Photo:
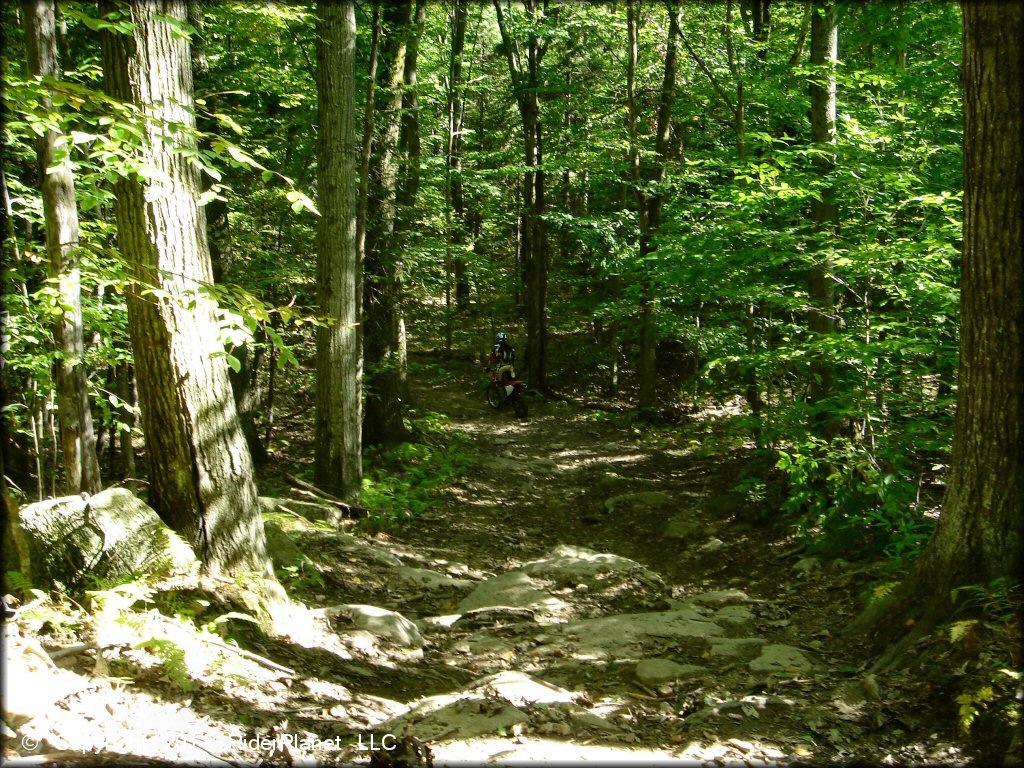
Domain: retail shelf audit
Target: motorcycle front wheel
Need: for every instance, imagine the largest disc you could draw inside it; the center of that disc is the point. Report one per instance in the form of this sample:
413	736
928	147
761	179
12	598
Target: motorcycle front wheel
519	406
494	396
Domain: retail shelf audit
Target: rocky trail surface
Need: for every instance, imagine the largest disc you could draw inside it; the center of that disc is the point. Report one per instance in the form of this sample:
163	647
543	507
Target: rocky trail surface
585	594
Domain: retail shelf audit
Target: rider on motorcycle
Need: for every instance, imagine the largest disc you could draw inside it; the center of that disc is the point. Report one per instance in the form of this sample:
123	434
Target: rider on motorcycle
502	359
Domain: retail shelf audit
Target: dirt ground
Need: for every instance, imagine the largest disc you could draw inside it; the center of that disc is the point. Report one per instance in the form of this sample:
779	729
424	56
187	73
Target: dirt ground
601	530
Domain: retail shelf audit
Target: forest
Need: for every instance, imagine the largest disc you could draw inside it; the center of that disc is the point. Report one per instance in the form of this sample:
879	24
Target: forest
748	490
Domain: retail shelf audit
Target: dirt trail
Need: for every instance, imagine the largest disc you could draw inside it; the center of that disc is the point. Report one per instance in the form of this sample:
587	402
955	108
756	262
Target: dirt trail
588	593
563	478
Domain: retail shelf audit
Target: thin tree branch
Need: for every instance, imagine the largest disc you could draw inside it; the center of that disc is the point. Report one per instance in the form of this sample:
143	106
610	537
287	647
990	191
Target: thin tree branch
707	71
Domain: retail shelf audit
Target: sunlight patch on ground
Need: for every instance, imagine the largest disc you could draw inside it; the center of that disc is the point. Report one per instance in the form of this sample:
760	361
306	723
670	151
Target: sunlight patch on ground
499	751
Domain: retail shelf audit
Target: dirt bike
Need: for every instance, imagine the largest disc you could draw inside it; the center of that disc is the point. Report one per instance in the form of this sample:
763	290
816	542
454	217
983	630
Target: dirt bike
504	388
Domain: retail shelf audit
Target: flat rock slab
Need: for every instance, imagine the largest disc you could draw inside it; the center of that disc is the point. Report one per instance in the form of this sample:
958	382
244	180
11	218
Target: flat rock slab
503	464
512	589
379	622
431	581
655	672
567	563
455	716
543	466
625	635
733	615
346	542
482	708
112	536
780	658
522	690
720	597
682	526
745	648
642	502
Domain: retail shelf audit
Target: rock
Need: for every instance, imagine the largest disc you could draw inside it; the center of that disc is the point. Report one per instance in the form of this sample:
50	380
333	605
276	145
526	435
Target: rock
644	502
720	597
712	545
485	647
733	615
491	615
727	504
566	564
484	708
353	545
513	589
431	581
623	634
503	465
280	547
807	564
780	658
457	716
112	536
682	526
736	647
31	681
380	622
544	465
521	690
655	672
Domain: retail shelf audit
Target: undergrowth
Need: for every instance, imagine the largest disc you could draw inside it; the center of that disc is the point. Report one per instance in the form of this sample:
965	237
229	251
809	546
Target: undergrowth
402	482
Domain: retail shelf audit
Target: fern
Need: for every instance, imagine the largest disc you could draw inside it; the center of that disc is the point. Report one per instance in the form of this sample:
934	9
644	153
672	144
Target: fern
961	629
172	657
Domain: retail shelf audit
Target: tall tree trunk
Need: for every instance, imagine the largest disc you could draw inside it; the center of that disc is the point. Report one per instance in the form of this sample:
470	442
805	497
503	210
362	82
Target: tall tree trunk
408	174
77	437
338	457
456	191
525	75
125	379
217	233
201	476
980	534
824	212
382	274
647	176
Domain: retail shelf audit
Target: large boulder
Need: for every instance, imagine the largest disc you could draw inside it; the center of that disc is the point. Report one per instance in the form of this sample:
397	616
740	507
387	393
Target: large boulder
110	537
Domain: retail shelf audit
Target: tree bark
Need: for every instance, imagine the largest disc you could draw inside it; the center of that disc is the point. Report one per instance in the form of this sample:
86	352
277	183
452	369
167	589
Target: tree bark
456	112
824	212
77	436
338	457
382	274
201	476
980	533
525	75
647	176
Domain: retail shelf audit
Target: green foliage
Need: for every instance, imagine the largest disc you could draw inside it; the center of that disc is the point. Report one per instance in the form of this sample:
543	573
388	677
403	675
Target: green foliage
404	481
302	576
1001	600
844	500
